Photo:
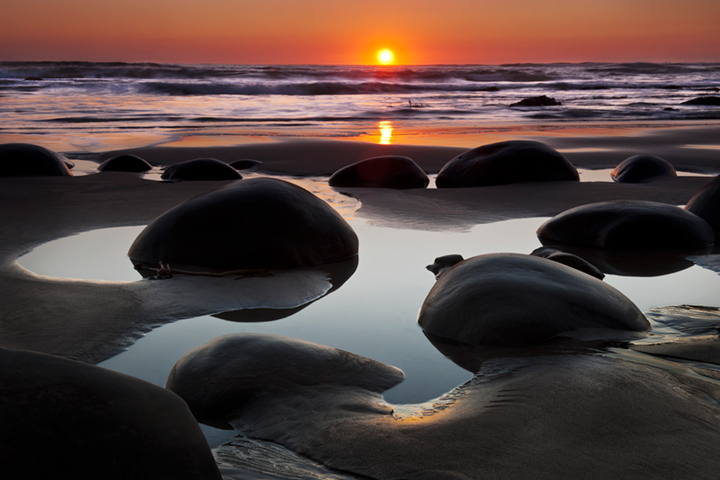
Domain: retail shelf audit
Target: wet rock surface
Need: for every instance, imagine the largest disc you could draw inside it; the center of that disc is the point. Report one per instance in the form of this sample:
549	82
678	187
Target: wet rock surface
391	171
26	160
201	169
642	168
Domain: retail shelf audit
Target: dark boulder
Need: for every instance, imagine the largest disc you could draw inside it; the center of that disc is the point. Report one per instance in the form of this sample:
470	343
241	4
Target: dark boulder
441	264
642	168
26	160
261	223
706	203
541	101
231	371
65	419
709	101
578	263
512	300
389	171
125	163
245	164
201	169
628	224
506	162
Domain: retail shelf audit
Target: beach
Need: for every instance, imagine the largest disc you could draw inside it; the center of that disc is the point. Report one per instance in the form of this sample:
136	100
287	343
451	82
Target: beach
641	407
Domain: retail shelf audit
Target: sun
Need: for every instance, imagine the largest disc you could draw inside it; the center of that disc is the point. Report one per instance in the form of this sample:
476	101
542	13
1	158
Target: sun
385	57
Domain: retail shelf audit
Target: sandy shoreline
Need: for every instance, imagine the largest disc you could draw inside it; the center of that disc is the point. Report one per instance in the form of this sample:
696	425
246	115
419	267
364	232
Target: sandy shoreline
92	321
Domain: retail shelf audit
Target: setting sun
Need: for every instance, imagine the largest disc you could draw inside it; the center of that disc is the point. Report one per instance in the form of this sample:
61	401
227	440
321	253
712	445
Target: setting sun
385	57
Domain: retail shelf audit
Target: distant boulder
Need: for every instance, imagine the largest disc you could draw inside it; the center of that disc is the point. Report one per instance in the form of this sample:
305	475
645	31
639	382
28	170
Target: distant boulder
66	419
627	224
710	101
125	163
26	160
234	370
201	169
506	162
706	203
642	168
512	300
245	164
578	263
389	171
261	223
541	101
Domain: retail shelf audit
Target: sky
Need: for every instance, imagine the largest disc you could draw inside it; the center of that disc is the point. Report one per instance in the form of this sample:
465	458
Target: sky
351	32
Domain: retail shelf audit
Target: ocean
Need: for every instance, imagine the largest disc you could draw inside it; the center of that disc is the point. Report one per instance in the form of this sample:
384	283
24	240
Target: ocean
87	106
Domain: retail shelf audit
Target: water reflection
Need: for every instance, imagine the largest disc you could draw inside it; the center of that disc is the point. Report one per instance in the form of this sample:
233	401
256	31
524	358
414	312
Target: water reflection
386	130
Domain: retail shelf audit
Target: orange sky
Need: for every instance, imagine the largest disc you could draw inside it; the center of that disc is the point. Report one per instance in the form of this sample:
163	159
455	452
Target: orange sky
340	32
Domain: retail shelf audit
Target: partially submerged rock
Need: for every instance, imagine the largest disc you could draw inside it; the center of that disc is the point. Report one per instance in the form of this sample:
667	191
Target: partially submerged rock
62	418
642	168
261	223
578	263
231	371
541	101
201	169
506	162
708	100
628	224
441	264
125	163
512	300
245	164
25	160
706	203
391	171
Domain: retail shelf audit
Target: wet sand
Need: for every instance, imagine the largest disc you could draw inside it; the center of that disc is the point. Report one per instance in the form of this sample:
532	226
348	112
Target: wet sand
586	415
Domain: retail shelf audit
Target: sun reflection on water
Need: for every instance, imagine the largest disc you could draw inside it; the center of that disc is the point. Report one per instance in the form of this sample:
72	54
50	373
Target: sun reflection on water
386	130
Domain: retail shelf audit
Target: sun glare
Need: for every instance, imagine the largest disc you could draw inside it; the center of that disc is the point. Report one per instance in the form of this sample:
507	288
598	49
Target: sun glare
385	57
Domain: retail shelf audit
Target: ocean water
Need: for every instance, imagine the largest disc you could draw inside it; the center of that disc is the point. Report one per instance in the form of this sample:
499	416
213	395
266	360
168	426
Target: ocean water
95	105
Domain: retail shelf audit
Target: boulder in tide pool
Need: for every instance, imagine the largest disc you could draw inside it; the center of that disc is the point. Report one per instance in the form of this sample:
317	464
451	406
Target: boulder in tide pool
65	419
706	203
125	163
201	169
245	164
628	224
26	160
391	171
231	371
506	162
261	223
513	300
642	168
578	263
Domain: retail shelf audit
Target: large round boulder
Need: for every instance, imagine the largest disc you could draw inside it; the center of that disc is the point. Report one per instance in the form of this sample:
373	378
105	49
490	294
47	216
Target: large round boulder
628	224
26	160
125	163
201	169
506	162
642	168
65	419
513	300
231	371
261	223
706	203
391	171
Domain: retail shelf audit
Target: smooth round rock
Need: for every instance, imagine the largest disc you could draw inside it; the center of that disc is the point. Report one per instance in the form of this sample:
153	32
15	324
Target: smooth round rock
230	371
125	163
245	164
65	419
706	203
201	169
710	101
628	224
642	168
261	223
26	160
441	264
574	261
391	171
513	300
506	162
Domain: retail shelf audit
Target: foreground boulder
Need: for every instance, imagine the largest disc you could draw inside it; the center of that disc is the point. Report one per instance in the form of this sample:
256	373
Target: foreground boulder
66	419
512	300
125	163
26	160
201	169
391	171
642	168
506	162
261	223
706	203
628	224
231	371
